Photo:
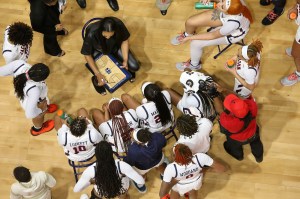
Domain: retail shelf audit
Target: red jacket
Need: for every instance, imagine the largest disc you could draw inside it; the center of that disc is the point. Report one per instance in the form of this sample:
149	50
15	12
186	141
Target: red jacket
234	124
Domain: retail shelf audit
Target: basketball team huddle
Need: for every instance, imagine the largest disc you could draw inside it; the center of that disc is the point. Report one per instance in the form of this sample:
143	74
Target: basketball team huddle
126	138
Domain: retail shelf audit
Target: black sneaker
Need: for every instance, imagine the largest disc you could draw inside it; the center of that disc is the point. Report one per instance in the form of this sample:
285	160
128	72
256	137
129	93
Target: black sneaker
265	2
259	159
271	17
142	189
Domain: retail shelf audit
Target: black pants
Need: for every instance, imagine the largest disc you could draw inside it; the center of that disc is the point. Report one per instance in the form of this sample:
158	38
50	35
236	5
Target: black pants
235	148
279	4
51	45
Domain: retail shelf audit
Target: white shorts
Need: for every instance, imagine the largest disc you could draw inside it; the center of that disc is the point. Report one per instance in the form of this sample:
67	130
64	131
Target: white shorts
297	37
143	172
185	188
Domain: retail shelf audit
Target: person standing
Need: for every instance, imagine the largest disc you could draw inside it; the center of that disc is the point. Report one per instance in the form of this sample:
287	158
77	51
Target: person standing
44	17
238	123
17	42
275	13
294	51
113	4
31	185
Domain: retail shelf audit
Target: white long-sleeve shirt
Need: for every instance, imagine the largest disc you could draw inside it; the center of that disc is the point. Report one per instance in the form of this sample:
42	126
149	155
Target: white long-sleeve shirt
123	169
37	188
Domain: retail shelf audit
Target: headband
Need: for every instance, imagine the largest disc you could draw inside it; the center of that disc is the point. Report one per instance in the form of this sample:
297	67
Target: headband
227	4
113	99
134	135
245	52
144	86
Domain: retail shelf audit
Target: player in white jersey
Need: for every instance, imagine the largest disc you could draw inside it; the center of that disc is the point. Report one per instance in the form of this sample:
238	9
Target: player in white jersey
246	69
31	90
115	124
31	185
196	88
194	132
184	174
110	177
79	138
156	112
294	51
230	21
17	42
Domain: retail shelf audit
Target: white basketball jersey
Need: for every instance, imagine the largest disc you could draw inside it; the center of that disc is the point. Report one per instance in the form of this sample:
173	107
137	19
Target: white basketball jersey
13	52
149	116
190	173
200	141
79	148
189	100
249	74
107	132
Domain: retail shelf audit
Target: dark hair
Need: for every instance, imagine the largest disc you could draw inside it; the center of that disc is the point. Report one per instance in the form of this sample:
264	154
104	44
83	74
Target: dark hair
78	126
107	179
48	1
144	135
20	33
153	93
186	125
22	174
120	127
108	24
38	72
183	154
209	111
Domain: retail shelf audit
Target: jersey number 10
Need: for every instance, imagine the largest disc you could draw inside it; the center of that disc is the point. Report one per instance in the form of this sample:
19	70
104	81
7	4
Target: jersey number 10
78	149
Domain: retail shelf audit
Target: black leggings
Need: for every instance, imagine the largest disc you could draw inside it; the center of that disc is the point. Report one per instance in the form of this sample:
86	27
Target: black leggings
279	4
51	45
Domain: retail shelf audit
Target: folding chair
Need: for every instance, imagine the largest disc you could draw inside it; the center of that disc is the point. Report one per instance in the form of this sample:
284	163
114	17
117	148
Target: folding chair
79	165
170	132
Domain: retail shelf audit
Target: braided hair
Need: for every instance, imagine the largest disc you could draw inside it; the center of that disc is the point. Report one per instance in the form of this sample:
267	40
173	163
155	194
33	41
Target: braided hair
78	126
20	33
183	154
253	49
120	128
187	125
107	178
153	93
38	72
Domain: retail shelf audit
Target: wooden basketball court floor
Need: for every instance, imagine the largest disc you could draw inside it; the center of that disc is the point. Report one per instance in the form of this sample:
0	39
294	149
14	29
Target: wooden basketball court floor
278	176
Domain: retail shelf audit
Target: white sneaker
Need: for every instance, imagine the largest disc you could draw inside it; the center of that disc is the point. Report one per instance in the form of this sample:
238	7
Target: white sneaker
183	65
290	80
84	196
288	51
177	39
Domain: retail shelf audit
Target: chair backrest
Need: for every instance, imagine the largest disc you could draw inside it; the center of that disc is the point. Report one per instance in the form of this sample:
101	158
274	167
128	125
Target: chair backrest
93	20
169	133
80	164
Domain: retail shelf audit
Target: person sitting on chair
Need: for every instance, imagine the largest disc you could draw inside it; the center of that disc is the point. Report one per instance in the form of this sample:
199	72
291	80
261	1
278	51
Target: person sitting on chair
156	112
17	42
115	124
246	69
230	22
108	36
79	138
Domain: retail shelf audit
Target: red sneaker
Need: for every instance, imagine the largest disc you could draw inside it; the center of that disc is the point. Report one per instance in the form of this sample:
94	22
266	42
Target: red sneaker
52	108
166	196
47	126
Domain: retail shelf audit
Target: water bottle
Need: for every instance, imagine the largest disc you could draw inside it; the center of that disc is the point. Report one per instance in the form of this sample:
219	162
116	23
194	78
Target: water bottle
230	63
210	5
63	115
293	15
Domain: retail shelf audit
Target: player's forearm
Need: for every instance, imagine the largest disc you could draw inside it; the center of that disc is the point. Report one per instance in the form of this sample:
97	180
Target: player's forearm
92	64
125	50
242	81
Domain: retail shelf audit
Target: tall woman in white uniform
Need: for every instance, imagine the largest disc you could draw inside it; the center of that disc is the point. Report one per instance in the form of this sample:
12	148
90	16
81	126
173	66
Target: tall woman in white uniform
110	177
230	22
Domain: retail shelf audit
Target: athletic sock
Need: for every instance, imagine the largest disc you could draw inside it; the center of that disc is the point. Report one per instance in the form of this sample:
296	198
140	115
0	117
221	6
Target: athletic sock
187	34
298	73
36	128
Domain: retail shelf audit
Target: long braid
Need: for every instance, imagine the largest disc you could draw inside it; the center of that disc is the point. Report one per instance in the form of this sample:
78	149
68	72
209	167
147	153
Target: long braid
107	178
208	105
120	127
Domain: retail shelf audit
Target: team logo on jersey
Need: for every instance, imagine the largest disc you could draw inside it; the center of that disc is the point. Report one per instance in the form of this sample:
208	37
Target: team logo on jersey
191	81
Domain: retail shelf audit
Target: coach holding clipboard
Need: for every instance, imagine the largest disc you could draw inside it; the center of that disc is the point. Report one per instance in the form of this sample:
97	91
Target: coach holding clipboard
108	36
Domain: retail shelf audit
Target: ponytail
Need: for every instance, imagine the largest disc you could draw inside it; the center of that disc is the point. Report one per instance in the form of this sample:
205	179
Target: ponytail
253	49
19	84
